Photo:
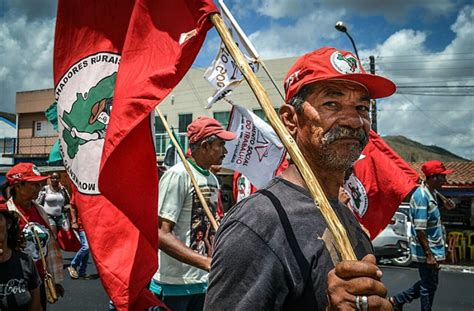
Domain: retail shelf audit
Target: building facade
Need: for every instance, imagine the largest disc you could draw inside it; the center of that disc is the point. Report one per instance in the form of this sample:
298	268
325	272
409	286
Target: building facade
35	135
7	138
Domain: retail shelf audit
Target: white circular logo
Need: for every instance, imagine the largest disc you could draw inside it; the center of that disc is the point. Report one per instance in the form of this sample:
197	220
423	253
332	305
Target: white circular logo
31	246
84	96
35	170
344	64
359	200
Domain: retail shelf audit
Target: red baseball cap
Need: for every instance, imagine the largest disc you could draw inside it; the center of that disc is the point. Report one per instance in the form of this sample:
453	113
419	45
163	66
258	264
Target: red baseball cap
204	127
330	64
24	172
434	167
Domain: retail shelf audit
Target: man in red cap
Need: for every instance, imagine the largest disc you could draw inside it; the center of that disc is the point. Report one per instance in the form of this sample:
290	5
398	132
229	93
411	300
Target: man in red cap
181	279
427	247
273	250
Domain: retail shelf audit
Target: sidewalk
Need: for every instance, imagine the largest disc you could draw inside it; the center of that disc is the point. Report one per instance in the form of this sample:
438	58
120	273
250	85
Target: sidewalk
464	266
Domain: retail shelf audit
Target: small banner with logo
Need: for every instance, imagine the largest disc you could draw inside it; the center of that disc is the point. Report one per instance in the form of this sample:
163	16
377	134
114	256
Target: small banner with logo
223	74
129	54
257	151
380	181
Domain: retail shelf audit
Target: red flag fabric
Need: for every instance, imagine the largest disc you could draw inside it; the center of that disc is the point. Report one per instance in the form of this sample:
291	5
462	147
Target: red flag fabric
380	181
142	48
67	240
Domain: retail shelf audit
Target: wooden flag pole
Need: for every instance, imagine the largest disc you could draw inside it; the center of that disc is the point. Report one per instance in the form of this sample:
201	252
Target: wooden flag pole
343	244
190	172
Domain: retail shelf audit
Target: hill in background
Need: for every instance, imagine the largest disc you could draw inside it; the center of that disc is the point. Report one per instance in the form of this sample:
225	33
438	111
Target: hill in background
412	151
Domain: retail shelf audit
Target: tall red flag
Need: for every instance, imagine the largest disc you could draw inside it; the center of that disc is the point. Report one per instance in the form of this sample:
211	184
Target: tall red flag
143	49
380	181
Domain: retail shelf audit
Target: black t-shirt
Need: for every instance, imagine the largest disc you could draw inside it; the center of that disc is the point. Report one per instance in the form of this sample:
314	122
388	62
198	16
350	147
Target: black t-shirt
255	265
18	276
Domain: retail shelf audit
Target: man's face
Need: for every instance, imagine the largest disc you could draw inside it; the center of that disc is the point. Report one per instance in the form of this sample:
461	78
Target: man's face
29	190
334	124
438	181
216	151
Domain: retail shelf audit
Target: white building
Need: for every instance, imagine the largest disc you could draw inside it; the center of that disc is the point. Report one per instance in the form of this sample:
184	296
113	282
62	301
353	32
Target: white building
7	138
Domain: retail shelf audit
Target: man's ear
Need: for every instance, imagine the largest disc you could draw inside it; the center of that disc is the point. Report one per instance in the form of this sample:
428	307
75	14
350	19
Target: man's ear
289	117
205	144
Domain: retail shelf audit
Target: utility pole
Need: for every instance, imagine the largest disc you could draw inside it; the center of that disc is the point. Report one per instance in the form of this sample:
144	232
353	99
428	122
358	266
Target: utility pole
373	102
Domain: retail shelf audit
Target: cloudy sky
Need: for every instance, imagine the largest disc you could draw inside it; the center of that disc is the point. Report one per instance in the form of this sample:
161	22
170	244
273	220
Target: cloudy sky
425	46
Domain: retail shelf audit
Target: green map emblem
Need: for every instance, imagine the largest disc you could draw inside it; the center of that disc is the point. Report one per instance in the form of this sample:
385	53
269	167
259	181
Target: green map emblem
345	64
84	95
88	118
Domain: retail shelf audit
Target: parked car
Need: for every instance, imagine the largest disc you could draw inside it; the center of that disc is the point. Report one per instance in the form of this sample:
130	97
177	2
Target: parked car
392	245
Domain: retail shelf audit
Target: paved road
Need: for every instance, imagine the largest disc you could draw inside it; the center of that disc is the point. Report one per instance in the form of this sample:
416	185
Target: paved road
455	292
81	294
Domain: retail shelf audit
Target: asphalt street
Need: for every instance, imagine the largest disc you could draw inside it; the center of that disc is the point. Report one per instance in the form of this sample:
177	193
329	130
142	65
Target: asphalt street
455	291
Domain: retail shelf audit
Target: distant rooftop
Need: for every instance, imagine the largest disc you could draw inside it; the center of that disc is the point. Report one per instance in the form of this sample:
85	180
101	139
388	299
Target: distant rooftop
463	172
8	116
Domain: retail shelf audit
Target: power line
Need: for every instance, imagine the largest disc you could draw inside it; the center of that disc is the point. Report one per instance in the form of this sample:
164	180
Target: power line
431	118
436	94
423	55
435	86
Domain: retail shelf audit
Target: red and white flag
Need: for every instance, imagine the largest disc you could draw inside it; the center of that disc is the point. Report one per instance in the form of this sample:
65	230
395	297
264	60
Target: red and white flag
129	55
380	181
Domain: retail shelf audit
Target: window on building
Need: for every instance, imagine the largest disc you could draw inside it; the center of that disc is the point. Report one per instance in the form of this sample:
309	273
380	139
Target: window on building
43	129
222	117
262	115
161	137
159	126
183	121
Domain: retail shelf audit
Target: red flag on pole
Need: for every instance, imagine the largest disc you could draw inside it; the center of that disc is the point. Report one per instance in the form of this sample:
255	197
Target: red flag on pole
380	181
131	54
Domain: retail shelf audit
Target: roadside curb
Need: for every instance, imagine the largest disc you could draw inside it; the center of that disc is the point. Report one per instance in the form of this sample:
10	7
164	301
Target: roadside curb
453	268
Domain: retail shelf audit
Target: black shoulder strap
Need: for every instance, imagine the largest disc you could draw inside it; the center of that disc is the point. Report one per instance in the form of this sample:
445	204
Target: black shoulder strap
308	300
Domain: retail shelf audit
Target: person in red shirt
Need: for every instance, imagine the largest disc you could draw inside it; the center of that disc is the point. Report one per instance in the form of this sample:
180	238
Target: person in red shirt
21	189
19	279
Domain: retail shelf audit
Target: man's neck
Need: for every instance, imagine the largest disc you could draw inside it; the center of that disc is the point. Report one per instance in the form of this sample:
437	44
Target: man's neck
430	187
330	181
202	163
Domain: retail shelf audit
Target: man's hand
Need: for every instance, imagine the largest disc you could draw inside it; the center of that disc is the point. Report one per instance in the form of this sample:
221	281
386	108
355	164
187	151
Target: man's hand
357	278
431	261
75	226
449	204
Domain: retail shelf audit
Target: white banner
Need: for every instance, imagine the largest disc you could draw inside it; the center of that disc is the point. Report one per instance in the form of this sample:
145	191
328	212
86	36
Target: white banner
257	151
223	74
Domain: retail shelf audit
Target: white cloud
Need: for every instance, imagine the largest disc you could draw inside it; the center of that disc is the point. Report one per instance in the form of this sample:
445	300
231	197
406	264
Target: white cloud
25	56
393	10
446	121
307	33
32	10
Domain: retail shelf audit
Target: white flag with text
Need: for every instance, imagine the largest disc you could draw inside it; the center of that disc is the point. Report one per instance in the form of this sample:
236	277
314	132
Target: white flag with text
257	151
223	74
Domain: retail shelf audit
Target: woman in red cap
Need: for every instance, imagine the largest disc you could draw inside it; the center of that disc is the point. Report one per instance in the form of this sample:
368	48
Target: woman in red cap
19	279
21	189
